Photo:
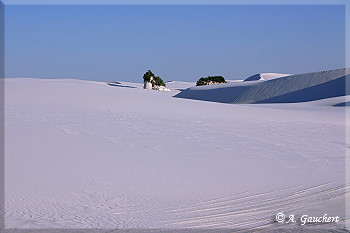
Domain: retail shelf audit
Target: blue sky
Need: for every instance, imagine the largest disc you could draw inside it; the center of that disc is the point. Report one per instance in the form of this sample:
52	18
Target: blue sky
177	42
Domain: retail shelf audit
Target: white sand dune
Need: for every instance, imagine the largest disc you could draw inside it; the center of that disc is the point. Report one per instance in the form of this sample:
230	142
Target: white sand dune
84	154
265	76
179	86
287	89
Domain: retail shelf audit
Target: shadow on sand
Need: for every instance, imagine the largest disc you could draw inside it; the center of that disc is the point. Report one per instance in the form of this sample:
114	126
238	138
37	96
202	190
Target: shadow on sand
118	84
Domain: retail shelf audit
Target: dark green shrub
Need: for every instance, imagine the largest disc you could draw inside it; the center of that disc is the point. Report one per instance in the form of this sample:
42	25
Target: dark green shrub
147	76
210	80
157	81
202	81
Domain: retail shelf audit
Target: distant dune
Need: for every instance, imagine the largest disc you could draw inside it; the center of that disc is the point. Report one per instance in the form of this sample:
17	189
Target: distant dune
274	88
266	76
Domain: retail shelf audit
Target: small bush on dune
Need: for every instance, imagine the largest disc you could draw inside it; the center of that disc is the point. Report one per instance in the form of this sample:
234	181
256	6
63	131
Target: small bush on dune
147	76
210	80
158	81
201	82
155	80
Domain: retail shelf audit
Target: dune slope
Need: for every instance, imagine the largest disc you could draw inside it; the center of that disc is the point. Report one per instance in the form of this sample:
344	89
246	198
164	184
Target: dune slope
290	89
82	154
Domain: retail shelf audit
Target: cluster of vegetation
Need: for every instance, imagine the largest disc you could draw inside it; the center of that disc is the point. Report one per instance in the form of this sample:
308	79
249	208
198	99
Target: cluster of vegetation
156	81
147	76
211	80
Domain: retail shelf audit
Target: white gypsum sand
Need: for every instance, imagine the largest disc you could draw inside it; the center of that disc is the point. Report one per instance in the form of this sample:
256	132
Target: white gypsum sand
83	154
285	89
